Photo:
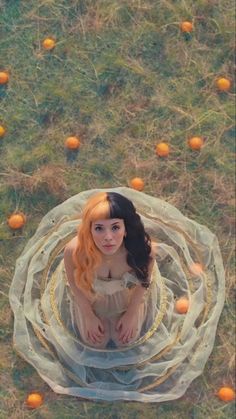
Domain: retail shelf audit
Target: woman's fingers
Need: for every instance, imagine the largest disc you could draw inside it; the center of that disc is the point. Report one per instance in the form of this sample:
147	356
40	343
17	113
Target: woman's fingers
101	328
118	326
91	337
125	336
95	336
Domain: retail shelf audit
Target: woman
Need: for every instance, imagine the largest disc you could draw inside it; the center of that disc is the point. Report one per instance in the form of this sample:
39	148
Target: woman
111	242
96	314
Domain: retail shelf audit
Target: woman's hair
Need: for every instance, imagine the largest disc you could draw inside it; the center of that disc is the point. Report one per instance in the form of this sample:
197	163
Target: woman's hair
87	257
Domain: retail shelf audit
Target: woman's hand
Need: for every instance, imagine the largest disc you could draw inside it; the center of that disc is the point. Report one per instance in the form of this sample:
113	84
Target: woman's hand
94	328
127	326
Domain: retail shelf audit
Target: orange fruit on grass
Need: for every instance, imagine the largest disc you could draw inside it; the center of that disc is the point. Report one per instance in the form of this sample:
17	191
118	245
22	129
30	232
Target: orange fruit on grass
195	143
48	43
16	221
196	268
34	400
73	143
223	84
186	26
2	131
227	394
4	77
182	305
162	149
137	183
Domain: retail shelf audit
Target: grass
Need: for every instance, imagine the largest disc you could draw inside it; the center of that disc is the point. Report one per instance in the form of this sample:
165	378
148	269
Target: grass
122	77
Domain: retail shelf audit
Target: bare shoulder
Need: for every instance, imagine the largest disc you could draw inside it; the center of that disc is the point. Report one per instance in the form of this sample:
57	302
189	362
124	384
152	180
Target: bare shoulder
68	259
71	246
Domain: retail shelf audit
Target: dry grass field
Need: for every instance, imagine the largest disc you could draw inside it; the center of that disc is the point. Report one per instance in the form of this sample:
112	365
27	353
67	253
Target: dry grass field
122	77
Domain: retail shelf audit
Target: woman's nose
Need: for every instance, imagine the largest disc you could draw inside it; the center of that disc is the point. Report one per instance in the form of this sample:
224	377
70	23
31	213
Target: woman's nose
108	235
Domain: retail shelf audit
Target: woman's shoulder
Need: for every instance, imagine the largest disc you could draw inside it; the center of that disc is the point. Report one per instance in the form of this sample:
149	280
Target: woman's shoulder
70	247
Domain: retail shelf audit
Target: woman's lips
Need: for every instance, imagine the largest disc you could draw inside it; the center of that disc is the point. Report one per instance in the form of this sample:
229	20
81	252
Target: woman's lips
108	246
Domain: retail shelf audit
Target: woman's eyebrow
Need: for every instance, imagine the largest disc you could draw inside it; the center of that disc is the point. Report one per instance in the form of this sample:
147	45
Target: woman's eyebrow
101	225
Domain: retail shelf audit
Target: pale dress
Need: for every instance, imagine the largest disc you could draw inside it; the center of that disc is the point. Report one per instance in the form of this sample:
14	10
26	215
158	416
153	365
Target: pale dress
170	349
111	300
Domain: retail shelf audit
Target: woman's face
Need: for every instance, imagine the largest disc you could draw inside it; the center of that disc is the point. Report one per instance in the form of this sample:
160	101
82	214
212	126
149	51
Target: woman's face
108	235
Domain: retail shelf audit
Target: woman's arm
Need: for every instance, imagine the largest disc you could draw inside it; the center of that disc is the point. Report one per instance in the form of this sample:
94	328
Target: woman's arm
127	324
94	329
70	269
139	291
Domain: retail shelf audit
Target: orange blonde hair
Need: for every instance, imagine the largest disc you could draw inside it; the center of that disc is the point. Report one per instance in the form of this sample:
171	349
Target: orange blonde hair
86	256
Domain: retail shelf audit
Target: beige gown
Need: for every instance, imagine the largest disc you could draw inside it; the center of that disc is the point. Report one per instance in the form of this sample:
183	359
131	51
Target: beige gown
111	300
169	350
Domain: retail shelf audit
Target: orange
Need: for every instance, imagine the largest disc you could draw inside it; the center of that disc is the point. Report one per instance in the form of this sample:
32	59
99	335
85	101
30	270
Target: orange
182	305
34	400
186	26
223	84
137	183
227	394
16	221
196	268
73	143
4	77
2	131
49	43
195	143
162	149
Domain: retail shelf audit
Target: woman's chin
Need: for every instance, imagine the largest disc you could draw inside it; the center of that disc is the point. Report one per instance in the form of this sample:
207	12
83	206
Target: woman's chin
109	250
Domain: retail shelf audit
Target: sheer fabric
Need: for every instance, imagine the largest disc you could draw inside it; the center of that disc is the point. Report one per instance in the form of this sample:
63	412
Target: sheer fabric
112	298
170	349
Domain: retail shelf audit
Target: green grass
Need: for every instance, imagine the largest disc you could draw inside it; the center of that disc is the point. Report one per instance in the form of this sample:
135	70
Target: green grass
122	77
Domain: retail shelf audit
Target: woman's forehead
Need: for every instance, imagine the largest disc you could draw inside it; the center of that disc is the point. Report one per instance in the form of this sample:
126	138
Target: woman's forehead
108	222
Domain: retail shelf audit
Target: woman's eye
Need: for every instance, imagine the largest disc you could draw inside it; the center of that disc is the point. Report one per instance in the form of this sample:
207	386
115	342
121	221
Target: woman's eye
98	228
115	228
